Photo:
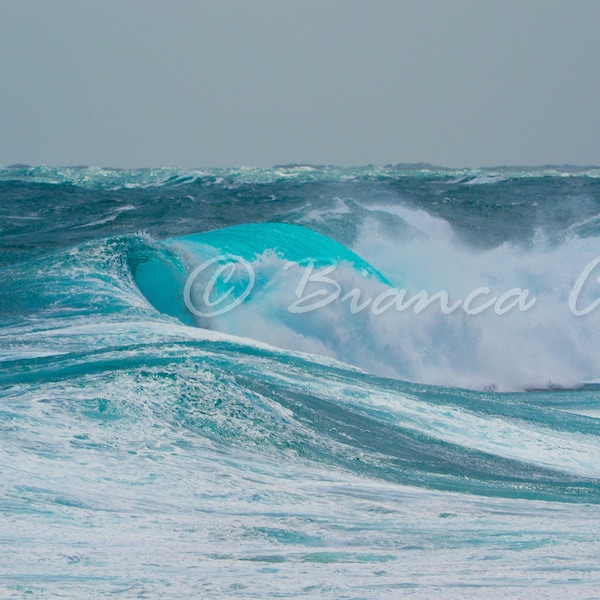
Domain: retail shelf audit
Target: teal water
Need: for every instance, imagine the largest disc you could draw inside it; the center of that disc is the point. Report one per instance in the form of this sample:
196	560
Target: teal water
207	387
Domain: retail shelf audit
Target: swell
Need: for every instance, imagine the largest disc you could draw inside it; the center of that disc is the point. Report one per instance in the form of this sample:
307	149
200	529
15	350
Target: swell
286	407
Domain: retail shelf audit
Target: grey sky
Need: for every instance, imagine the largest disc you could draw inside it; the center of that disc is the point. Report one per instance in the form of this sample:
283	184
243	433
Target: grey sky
261	82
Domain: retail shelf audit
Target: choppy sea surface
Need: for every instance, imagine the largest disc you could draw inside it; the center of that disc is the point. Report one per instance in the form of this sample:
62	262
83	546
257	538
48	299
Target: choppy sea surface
377	382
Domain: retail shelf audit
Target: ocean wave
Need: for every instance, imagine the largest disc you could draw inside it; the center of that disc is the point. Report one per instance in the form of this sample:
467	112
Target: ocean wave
167	429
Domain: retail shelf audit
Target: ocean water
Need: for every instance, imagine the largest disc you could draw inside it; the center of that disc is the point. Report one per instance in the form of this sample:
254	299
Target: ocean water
378	382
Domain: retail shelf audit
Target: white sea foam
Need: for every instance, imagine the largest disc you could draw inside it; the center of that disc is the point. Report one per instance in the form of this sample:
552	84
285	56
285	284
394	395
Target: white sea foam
322	214
548	345
107	219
